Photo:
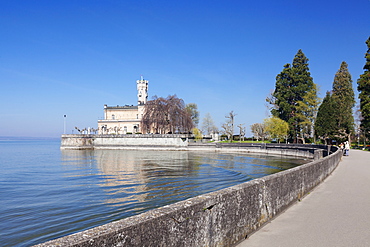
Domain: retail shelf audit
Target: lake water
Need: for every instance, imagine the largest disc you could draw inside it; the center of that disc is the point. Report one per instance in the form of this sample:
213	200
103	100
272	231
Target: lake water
46	193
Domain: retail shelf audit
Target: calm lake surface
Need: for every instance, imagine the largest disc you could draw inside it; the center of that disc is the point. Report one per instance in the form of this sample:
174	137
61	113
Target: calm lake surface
46	193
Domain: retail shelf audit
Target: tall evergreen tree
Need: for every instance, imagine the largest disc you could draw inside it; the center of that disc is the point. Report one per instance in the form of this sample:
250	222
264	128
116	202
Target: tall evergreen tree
283	97
292	85
344	100
364	96
325	121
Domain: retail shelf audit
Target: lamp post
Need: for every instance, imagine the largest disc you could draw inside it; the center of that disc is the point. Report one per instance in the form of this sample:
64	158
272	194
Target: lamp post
65	116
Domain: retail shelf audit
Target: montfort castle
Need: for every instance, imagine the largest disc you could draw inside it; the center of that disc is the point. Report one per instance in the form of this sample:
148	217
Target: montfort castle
125	119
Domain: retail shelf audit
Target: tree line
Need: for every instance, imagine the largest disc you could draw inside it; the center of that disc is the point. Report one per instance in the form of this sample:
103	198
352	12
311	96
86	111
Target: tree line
298	115
295	102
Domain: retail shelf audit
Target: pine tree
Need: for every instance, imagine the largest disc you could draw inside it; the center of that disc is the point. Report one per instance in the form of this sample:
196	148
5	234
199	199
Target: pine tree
325	121
292	86
364	96
344	100
283	97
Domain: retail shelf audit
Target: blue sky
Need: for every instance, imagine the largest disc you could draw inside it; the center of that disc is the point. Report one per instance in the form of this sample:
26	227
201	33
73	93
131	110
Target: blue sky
72	57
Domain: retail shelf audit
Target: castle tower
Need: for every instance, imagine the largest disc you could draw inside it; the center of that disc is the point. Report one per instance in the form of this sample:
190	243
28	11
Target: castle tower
142	91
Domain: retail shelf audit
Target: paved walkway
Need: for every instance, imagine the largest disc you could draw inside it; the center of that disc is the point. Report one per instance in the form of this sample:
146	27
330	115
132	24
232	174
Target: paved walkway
336	213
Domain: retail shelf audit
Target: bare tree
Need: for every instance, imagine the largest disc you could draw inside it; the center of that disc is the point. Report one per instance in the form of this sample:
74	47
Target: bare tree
103	129
82	131
342	134
79	131
117	129
325	137
241	132
258	130
166	115
208	126
228	126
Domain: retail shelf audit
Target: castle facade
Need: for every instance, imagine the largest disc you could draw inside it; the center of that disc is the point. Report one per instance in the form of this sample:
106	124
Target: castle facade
125	119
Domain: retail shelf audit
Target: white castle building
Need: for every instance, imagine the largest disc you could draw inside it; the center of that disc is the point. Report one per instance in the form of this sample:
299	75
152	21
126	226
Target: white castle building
125	119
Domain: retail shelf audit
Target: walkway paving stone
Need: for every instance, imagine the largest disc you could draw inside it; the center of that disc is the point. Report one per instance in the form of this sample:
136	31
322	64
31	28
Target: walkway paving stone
336	213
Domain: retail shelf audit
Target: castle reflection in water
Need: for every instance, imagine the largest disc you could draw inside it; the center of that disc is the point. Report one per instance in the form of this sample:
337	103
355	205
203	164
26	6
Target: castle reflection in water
145	179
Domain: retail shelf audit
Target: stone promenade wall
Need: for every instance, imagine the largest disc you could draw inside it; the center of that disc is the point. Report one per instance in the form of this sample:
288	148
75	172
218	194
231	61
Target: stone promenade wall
308	151
221	218
122	141
180	142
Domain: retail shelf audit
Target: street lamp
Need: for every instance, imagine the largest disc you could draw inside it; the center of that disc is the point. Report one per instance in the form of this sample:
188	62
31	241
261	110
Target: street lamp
65	116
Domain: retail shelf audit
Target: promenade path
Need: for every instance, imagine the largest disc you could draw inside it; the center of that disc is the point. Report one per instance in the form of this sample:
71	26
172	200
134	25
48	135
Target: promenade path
335	213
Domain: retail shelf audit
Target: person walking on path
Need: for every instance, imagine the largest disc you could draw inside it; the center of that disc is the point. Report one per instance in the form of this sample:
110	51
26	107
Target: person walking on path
341	146
346	148
336	213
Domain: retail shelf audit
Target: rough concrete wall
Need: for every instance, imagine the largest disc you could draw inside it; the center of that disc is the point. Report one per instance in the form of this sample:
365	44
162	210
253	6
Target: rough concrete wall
121	141
77	141
146	140
215	219
285	188
221	218
301	151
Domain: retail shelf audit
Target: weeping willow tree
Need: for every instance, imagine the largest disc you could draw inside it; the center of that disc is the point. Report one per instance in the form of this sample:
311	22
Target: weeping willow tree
166	115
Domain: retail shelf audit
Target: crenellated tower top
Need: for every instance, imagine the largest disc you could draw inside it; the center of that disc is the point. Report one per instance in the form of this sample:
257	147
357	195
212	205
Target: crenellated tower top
142	91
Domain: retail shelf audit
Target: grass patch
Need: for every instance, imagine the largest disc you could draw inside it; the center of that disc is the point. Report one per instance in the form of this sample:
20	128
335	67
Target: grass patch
246	142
